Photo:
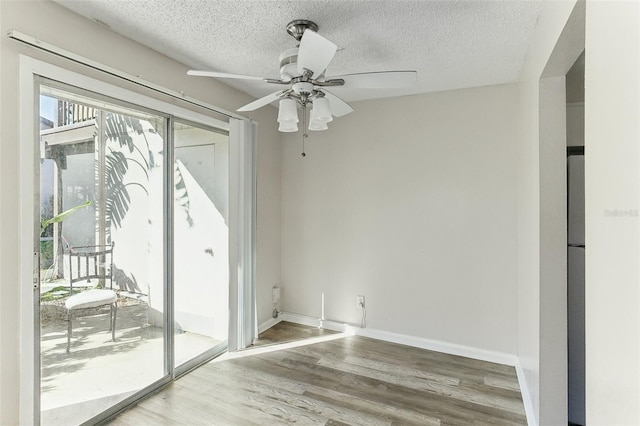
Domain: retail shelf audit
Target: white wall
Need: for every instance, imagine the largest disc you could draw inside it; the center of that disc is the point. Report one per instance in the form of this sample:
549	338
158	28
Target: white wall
533	306
612	108
612	164
575	124
53	24
553	251
575	103
410	202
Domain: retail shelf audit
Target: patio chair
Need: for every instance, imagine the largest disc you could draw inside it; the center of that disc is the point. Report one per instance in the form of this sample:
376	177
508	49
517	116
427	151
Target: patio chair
87	263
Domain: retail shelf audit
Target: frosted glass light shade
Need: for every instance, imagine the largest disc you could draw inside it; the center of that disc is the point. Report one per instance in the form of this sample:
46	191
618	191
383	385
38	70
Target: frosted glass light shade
315	124
288	112
288	126
322	111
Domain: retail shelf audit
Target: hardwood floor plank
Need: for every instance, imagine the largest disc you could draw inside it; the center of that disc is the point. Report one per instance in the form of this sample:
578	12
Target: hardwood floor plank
240	372
380	392
287	332
347	381
255	404
420	358
501	382
300	401
365	378
517	407
400	370
390	412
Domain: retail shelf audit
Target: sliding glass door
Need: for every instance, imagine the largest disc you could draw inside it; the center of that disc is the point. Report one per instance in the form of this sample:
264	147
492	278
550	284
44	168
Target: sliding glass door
200	240
101	186
134	251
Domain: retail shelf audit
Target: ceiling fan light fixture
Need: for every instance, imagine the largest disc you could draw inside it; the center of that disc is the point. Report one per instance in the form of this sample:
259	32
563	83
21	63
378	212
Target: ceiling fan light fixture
318	126
288	126
321	110
315	124
304	73
287	112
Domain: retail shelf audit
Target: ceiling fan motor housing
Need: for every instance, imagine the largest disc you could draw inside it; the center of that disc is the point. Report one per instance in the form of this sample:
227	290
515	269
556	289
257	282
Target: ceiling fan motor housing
302	87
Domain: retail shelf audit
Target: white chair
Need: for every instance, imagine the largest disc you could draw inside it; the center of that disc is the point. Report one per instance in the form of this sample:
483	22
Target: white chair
87	263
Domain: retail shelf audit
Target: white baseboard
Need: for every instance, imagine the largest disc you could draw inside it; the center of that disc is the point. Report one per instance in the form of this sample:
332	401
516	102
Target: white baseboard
300	319
317	322
268	324
438	346
336	326
526	396
403	339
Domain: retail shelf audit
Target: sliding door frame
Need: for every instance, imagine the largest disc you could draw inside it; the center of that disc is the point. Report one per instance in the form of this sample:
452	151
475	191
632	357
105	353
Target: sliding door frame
242	175
243	324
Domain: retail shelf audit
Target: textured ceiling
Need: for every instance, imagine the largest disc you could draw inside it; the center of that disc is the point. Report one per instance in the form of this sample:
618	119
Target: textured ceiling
452	44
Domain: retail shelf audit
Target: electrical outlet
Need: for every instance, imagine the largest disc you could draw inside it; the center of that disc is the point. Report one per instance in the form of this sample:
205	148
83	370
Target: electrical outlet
360	302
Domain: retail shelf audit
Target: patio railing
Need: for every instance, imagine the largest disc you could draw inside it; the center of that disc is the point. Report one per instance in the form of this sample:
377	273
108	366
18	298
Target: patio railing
71	113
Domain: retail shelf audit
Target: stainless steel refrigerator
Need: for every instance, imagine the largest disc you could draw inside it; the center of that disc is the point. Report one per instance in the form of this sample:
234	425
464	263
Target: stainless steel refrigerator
575	286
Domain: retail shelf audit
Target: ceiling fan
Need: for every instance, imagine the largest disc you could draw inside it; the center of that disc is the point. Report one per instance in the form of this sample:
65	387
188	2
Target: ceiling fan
302	71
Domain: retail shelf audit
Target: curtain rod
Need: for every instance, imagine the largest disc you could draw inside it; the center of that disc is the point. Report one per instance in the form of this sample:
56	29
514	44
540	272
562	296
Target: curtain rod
63	53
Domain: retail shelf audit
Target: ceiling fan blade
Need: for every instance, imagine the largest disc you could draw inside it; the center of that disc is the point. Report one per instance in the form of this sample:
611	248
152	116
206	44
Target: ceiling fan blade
315	52
337	106
262	101
222	75
379	80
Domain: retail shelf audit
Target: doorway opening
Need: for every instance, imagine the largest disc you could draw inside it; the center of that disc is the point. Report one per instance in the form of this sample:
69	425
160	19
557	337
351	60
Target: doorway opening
576	248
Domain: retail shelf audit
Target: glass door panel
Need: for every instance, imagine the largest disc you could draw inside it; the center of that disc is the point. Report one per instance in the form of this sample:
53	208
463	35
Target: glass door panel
102	338
201	240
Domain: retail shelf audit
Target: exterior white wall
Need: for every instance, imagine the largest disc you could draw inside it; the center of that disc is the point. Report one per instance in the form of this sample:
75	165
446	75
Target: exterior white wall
410	202
612	111
201	269
195	148
56	25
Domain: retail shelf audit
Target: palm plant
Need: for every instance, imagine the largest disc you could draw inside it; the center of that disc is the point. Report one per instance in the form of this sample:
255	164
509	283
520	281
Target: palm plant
119	129
62	216
59	218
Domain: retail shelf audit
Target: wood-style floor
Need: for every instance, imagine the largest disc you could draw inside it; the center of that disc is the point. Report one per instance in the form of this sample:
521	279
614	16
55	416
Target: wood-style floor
350	380
285	331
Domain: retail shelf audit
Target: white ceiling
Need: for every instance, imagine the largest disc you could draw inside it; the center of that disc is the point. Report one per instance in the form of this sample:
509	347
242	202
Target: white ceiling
452	44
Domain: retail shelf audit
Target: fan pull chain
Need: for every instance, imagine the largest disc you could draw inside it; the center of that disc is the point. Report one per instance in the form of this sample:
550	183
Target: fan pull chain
304	128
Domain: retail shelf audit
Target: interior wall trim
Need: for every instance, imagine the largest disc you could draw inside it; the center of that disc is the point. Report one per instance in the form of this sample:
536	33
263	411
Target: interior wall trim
526	395
268	324
306	320
403	339
439	346
63	53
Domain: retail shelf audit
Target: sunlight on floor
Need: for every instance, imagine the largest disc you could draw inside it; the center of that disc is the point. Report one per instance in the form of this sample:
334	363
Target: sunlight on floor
98	372
279	347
